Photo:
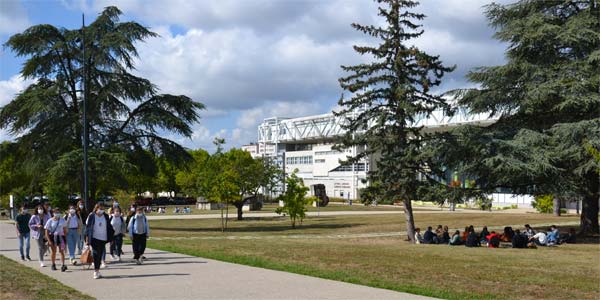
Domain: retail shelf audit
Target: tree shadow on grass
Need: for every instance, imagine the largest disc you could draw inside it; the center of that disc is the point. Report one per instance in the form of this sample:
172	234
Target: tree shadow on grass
259	228
144	275
587	240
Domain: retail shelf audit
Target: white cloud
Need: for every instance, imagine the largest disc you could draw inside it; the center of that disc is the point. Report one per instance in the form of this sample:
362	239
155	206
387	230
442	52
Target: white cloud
11	87
8	90
236	69
13	17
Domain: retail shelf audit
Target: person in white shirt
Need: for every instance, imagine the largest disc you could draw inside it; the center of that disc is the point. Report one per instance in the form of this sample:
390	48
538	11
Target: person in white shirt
99	232
56	230
539	238
418	236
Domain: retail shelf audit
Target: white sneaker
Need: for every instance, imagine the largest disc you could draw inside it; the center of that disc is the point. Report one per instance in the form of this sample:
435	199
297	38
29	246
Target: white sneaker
118	258
97	275
103	265
42	264
113	257
138	261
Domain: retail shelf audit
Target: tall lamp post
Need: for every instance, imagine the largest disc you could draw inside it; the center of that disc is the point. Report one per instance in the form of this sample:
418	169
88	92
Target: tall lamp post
85	125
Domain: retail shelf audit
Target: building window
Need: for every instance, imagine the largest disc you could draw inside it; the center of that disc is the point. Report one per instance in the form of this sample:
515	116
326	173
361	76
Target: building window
319	161
360	167
299	160
332	152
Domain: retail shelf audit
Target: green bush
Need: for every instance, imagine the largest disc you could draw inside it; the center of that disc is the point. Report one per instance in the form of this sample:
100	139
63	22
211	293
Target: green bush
484	203
543	203
514	206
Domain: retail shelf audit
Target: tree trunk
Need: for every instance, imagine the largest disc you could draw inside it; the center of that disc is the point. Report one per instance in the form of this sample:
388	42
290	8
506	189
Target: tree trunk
226	214
239	207
222	220
452	206
556	206
410	220
589	210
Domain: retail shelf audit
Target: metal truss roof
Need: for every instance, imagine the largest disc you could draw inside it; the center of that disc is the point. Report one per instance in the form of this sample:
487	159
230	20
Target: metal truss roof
326	126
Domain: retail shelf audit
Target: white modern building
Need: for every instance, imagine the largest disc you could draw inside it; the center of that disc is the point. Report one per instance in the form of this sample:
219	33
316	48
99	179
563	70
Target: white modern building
306	144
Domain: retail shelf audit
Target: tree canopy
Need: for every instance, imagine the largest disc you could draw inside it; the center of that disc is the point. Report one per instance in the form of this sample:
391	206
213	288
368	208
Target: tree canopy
547	99
125	113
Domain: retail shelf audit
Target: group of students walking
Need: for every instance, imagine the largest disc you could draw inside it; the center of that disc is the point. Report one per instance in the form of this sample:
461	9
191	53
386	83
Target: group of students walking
77	230
526	239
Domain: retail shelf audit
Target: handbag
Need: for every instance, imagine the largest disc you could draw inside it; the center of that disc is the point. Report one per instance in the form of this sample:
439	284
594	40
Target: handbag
86	257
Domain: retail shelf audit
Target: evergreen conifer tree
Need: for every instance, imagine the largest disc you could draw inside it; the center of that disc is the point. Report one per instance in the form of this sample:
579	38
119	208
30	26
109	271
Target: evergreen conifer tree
547	99
389	95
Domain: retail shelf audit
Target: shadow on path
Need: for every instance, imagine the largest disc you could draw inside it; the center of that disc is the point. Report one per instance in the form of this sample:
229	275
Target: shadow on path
175	263
144	275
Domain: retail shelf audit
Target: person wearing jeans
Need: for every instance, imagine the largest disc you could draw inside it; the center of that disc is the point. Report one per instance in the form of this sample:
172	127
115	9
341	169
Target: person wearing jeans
74	227
139	231
82	213
22	227
99	232
118	224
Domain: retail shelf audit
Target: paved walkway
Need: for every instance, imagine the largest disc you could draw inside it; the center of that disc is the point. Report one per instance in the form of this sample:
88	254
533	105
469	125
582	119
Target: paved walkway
174	276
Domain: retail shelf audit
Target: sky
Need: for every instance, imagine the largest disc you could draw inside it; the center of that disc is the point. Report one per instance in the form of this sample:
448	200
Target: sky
248	60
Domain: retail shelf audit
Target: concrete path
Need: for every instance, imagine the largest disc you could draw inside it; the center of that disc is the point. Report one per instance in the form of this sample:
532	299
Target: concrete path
168	275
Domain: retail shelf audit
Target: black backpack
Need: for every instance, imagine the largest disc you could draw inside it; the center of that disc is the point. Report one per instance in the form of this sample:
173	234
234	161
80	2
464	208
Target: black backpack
495	241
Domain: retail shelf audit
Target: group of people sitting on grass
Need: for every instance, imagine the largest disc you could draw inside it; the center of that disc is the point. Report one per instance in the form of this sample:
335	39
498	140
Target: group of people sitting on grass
517	239
185	210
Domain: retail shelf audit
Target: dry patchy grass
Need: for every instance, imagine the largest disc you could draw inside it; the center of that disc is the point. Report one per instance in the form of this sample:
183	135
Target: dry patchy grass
564	272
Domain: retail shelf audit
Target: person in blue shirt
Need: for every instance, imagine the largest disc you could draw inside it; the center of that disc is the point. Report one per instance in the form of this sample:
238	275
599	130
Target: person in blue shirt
139	231
552	236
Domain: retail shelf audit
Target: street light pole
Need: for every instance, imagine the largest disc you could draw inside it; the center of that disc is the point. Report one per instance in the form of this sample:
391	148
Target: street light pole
85	125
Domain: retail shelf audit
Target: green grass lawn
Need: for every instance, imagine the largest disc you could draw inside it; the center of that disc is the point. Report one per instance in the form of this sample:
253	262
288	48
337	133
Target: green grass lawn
564	272
19	282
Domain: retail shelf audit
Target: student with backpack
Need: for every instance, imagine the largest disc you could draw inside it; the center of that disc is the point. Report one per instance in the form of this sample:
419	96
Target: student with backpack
139	231
493	240
118	224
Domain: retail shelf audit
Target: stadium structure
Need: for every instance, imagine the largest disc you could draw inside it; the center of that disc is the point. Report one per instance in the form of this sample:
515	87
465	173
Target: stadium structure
306	144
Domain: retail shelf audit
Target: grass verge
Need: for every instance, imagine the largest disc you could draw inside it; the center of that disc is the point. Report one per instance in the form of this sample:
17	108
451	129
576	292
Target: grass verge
564	272
23	283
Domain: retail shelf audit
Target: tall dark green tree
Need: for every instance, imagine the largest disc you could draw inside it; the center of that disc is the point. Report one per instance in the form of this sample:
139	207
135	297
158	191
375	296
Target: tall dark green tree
126	113
389	95
547	99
